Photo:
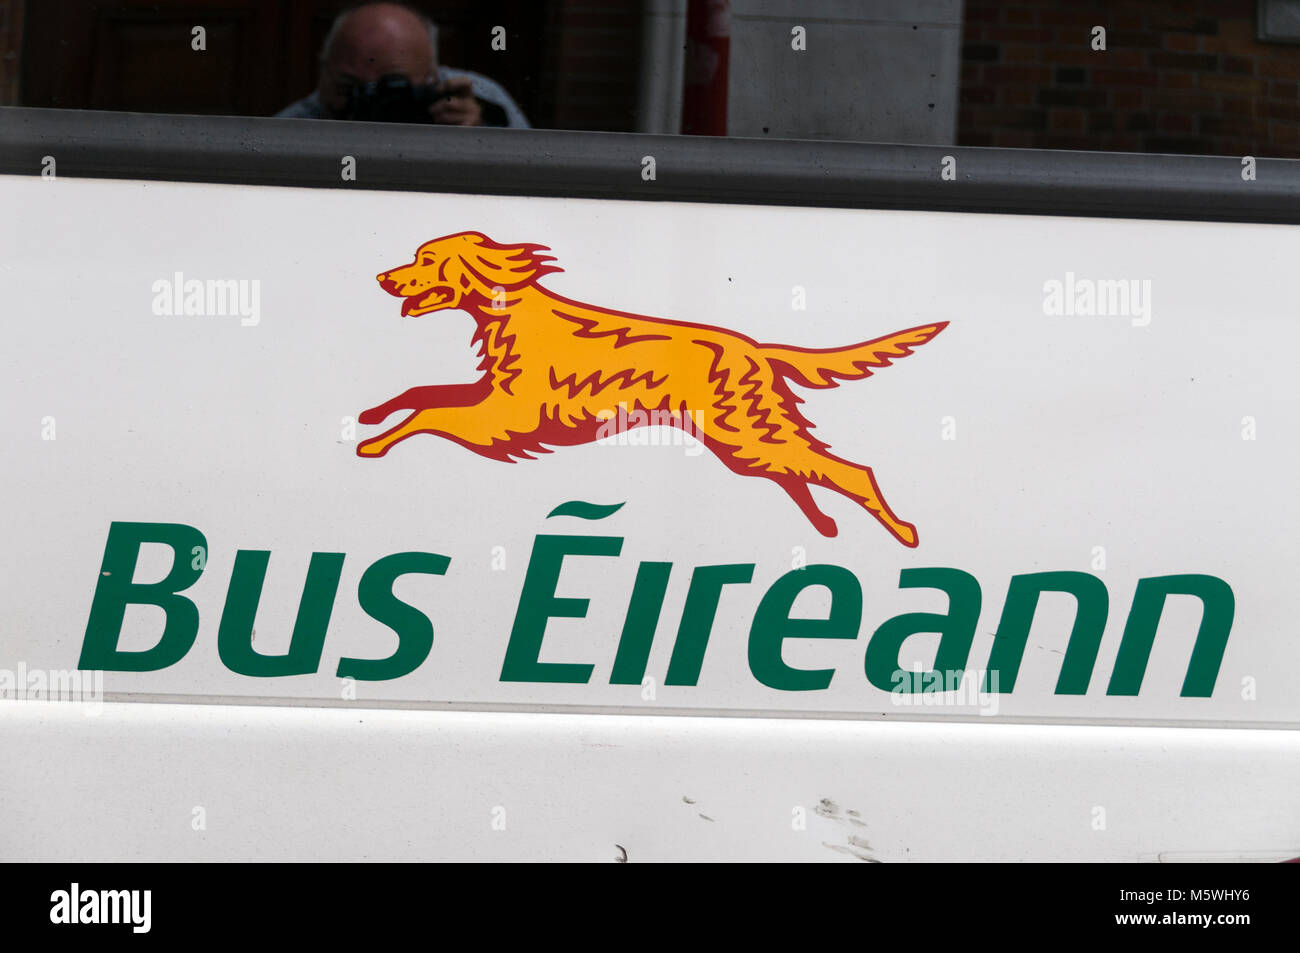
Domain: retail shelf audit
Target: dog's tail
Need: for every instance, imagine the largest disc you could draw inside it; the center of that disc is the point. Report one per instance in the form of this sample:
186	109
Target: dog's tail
826	368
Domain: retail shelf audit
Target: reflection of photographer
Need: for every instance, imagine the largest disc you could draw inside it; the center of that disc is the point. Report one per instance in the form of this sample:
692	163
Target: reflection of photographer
394	99
379	63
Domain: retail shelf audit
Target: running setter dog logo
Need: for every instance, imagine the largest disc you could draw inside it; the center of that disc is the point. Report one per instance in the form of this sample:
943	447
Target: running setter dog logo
552	368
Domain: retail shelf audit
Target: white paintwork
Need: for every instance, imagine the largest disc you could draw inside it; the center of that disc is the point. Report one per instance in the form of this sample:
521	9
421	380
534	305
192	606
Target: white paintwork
1072	433
327	784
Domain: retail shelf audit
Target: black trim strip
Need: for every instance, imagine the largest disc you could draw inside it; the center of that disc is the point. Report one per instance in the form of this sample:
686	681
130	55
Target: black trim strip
308	153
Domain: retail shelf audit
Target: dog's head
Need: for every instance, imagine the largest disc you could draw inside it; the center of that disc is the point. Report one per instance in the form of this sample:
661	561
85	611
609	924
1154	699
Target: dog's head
464	269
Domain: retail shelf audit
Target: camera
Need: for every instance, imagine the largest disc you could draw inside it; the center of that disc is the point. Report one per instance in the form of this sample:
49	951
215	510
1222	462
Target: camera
391	98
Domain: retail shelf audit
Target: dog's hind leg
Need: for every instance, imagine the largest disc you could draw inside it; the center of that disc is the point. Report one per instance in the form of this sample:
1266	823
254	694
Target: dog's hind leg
858	483
799	492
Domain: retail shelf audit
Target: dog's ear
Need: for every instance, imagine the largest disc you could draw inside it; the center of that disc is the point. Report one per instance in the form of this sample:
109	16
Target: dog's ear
490	265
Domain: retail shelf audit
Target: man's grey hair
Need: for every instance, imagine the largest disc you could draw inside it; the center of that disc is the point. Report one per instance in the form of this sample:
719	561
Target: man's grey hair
339	20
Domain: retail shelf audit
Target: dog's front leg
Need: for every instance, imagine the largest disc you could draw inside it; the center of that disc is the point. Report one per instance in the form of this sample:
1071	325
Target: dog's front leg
485	428
424	398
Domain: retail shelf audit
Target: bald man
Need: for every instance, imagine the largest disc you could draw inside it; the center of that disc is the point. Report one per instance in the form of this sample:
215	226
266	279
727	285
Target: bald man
387	39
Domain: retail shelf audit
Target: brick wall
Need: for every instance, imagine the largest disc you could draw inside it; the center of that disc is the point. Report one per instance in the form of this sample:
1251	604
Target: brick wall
11	41
1185	77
